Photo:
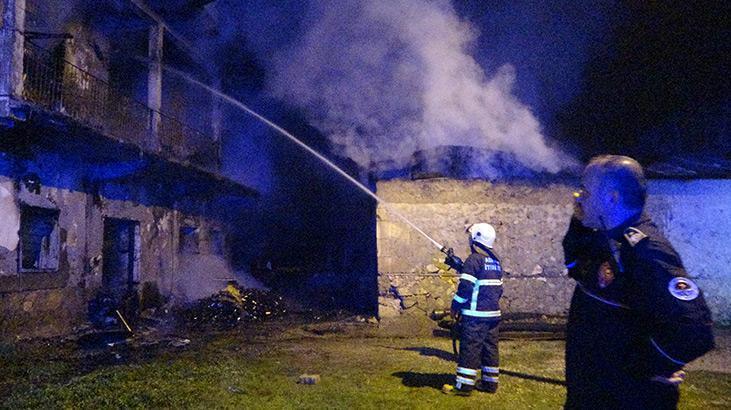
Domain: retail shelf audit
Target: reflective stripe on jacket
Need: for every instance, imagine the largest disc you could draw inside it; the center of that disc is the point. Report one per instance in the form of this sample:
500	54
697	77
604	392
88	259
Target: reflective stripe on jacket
480	286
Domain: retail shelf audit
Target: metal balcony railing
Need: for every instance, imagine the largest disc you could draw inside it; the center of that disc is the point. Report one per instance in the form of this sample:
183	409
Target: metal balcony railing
59	86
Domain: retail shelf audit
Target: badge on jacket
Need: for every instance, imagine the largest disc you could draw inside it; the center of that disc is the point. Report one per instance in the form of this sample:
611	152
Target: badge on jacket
683	288
605	275
634	236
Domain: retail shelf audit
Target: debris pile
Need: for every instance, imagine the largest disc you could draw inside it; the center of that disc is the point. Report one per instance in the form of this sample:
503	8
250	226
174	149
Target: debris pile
107	311
233	305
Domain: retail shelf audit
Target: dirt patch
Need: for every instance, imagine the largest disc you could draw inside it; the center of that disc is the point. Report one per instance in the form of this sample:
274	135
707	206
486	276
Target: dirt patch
719	359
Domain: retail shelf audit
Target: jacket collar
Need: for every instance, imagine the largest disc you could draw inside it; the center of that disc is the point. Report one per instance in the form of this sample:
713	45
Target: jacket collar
617	232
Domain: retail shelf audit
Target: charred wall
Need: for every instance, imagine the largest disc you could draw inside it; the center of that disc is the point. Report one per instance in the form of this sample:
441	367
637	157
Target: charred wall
55	242
98	191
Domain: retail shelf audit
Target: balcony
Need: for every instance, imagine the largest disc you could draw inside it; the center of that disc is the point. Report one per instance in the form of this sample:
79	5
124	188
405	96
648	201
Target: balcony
56	85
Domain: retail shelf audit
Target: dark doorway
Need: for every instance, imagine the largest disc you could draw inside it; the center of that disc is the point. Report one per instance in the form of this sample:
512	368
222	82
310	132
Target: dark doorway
120	268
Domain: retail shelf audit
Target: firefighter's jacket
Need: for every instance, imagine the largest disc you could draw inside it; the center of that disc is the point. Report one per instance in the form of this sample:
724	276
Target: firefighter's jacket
643	317
480	286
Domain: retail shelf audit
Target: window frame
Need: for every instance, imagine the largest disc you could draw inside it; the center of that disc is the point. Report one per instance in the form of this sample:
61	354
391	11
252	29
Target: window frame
192	233
54	239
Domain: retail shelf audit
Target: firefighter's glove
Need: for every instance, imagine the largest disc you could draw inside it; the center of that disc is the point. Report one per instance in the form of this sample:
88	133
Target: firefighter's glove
454	262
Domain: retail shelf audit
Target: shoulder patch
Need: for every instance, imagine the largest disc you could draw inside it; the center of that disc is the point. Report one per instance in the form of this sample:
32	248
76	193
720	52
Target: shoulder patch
634	235
683	289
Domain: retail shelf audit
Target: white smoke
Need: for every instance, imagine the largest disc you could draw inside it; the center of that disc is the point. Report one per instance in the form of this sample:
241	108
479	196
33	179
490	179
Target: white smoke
202	275
385	79
54	16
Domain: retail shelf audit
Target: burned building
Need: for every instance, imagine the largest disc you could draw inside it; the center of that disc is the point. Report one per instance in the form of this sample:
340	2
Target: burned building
530	213
108	183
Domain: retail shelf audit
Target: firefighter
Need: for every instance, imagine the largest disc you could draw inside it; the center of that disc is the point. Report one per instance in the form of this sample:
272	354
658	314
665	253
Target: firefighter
477	309
636	318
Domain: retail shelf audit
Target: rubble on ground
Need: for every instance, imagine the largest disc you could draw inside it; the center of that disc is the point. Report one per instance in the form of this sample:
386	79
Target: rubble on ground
234	305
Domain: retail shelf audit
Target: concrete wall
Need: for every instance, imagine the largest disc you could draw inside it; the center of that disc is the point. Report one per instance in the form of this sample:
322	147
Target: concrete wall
530	220
696	216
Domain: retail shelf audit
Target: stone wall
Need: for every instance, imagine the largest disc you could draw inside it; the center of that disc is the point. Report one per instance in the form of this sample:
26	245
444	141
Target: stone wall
530	220
41	313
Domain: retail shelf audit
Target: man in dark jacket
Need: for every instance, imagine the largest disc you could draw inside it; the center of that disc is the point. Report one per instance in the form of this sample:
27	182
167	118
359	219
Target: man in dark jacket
636	318
476	303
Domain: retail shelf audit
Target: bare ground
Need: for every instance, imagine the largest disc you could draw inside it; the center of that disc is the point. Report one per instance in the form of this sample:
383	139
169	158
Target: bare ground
718	360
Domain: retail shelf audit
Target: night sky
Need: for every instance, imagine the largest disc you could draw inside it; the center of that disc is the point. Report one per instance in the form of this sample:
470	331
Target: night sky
648	79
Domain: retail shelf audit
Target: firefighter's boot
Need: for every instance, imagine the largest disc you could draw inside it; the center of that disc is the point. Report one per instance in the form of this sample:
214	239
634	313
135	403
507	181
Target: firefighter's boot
489	380
464	382
486	387
455	391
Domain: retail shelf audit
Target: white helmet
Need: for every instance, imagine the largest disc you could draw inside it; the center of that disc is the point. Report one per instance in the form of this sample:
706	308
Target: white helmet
482	233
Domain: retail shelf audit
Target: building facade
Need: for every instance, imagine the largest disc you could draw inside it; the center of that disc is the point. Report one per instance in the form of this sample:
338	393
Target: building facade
102	191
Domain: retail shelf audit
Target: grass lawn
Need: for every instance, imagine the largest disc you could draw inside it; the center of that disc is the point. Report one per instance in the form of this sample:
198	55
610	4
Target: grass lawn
233	370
